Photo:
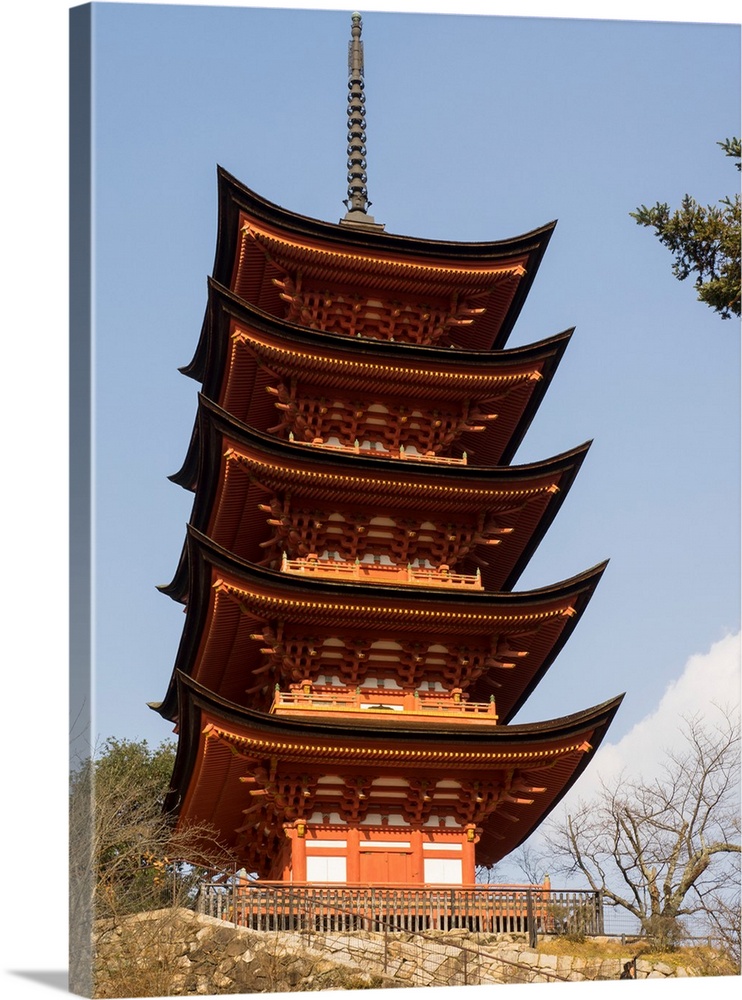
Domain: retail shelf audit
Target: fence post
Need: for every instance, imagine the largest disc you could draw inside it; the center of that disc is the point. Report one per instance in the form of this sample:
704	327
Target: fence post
601	917
532	936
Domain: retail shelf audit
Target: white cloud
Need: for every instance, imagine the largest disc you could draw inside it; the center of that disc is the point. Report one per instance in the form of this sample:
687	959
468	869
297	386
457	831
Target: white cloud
708	680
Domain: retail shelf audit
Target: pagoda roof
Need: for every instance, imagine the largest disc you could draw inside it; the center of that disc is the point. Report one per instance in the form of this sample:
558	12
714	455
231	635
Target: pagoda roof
230	600
232	467
242	350
220	741
258	240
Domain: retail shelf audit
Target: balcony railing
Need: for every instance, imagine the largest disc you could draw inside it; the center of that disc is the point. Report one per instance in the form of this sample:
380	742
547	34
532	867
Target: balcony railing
425	703
416	576
486	909
401	452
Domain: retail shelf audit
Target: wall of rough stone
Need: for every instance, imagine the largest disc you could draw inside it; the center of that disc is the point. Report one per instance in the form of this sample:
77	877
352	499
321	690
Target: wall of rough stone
177	953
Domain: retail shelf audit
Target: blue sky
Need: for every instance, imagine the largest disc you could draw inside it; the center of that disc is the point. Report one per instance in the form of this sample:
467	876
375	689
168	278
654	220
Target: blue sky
478	128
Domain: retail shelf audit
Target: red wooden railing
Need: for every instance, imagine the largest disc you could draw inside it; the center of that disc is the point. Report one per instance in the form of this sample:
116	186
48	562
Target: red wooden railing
305	698
411	456
381	573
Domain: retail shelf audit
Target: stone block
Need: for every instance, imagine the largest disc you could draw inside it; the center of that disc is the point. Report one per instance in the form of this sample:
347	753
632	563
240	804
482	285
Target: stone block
529	958
664	968
510	956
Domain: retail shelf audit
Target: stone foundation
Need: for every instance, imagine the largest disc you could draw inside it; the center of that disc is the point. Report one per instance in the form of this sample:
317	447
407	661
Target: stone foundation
181	953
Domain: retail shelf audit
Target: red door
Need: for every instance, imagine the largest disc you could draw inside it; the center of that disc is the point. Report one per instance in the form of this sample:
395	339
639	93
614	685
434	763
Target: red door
378	866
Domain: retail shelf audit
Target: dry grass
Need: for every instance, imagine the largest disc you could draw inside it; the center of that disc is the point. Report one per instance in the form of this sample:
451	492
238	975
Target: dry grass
699	960
589	948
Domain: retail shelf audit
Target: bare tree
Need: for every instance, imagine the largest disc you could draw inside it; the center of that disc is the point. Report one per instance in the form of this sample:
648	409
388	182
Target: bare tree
125	855
668	848
532	862
724	924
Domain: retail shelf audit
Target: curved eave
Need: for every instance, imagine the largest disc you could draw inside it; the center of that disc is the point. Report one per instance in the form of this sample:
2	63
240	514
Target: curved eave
221	508
214	425
223	307
178	588
368	731
236	200
493	845
263	594
376	597
380	367
380	745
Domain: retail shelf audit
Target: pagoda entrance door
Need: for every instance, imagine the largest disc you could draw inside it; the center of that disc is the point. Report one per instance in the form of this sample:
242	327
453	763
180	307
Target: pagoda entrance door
380	866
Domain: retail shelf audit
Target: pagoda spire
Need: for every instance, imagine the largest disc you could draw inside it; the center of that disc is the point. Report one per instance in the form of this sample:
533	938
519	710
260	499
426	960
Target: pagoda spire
357	201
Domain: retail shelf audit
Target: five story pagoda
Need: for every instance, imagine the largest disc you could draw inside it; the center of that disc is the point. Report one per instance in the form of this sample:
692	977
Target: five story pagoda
353	650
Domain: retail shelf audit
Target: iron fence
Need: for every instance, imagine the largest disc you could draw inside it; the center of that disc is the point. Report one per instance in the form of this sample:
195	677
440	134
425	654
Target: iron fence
479	909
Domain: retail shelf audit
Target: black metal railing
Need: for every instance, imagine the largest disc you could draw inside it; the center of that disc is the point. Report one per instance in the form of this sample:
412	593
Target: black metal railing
478	909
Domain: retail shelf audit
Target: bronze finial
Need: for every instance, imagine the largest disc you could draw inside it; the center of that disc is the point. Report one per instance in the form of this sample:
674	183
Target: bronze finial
357	201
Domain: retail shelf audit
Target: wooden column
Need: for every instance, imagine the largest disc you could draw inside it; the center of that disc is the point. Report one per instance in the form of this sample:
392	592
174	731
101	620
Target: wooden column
296	832
417	874
353	855
468	867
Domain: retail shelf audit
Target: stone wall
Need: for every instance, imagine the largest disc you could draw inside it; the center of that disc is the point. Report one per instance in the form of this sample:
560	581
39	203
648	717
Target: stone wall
180	953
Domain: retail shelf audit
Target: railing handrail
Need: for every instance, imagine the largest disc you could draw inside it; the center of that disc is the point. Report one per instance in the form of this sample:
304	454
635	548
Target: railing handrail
405	887
416	703
401	453
404	575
